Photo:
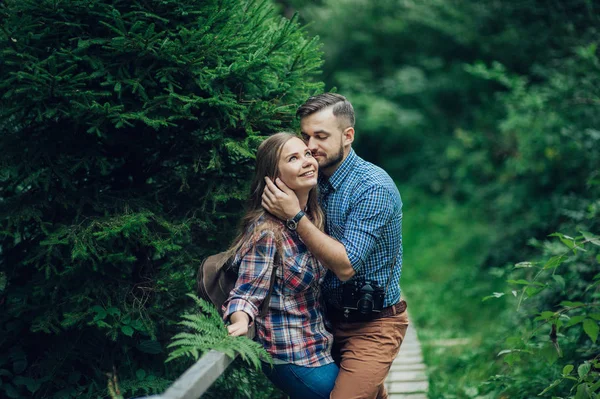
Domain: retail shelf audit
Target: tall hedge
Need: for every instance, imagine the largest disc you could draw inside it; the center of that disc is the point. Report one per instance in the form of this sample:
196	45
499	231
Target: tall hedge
127	137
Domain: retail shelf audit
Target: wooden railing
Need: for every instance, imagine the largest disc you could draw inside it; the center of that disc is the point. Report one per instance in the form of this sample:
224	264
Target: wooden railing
197	379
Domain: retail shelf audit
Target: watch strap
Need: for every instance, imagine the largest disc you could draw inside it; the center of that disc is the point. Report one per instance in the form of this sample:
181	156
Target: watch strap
292	223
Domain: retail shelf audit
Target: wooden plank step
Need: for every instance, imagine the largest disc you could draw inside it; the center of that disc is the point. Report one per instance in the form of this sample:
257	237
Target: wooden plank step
409	359
450	342
407	367
410	352
408	387
407	396
407	378
407	375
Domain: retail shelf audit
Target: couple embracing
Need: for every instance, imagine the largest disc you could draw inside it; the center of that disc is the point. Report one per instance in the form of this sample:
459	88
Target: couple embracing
335	321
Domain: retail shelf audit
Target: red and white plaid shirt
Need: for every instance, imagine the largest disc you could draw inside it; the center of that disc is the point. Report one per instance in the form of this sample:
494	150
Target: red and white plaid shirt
292	330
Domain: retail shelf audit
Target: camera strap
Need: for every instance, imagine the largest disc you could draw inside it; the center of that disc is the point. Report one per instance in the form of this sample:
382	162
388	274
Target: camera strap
391	272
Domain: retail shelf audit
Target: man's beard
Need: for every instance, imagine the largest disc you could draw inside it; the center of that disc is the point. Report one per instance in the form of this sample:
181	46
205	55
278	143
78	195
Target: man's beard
329	162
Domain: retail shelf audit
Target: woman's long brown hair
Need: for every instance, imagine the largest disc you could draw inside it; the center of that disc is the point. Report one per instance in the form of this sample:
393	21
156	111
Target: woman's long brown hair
267	161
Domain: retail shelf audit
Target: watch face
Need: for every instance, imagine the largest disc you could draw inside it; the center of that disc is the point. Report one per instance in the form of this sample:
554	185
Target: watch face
291	224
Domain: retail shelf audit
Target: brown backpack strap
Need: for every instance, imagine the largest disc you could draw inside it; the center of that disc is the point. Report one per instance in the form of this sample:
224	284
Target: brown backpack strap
265	305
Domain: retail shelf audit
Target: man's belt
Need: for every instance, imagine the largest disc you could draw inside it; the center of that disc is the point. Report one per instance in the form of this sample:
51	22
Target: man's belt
337	315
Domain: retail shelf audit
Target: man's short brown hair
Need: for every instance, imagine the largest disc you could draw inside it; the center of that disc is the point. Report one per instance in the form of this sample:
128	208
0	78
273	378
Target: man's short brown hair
342	109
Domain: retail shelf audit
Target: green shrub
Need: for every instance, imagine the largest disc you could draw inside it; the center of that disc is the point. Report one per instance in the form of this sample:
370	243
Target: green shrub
553	348
494	105
128	132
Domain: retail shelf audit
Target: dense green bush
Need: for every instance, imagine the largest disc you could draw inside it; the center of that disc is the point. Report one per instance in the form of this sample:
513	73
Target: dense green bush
127	136
494	105
554	349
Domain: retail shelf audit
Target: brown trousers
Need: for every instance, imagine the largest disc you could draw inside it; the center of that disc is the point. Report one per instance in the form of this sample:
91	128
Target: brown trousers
365	352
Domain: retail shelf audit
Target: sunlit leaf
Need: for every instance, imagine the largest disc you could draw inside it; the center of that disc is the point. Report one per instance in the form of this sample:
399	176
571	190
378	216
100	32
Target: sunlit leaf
582	392
594	239
583	369
506	351
520	282
524	265
531	291
494	295
567	369
549	387
591	329
571	304
546	315
554	262
595	316
575	320
569	242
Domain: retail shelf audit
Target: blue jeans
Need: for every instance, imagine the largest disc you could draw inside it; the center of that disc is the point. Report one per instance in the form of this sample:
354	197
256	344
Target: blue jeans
303	382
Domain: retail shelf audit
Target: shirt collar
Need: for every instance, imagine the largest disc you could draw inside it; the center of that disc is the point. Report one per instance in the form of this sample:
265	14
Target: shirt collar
336	179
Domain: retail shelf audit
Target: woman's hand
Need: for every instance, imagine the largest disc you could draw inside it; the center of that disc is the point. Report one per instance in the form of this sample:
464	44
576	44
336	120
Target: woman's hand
239	324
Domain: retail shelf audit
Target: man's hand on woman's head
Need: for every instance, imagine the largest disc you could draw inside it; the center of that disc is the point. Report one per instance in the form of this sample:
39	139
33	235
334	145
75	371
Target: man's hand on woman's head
280	200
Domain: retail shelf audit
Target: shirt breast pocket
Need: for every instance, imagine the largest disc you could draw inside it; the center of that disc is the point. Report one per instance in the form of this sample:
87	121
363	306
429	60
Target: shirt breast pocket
298	274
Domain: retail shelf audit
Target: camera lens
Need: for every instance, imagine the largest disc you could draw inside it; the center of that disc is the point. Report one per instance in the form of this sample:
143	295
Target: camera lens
365	303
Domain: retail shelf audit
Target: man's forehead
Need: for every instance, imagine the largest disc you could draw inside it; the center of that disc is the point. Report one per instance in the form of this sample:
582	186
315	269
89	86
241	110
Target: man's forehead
323	118
324	114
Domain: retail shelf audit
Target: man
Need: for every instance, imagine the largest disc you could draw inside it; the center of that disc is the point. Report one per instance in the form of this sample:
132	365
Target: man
363	241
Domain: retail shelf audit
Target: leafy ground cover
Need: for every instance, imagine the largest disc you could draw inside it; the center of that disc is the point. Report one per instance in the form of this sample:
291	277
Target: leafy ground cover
444	244
487	331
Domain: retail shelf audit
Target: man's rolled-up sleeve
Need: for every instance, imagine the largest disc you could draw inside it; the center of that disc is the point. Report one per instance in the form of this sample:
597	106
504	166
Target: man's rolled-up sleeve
372	210
254	277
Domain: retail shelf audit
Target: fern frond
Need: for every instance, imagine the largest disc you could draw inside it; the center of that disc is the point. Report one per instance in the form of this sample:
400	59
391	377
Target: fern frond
206	307
196	341
206	331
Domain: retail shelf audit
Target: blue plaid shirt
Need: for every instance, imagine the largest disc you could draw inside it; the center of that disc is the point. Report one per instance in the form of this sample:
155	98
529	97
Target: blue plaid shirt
363	211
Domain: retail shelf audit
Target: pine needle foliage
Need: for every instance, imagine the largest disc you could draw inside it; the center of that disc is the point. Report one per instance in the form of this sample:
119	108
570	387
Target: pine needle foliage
127	137
207	331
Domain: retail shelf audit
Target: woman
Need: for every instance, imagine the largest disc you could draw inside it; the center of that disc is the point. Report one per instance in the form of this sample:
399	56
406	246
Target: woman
292	330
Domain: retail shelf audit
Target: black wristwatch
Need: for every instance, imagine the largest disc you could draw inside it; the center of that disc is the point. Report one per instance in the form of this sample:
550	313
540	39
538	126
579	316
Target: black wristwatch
292	223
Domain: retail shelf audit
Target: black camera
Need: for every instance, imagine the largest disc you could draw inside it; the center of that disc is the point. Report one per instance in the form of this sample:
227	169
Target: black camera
365	296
